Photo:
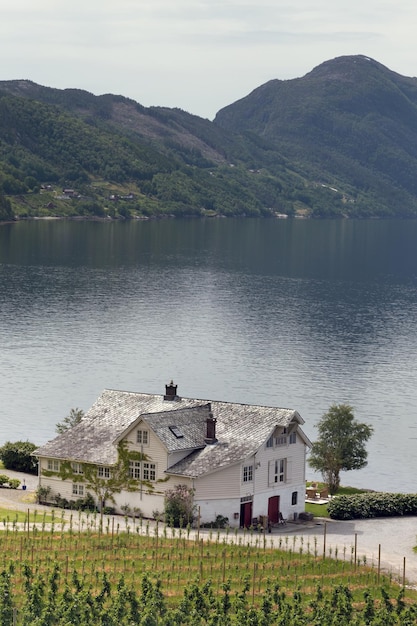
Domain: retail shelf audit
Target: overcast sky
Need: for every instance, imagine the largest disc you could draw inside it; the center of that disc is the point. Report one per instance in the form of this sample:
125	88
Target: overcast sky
198	55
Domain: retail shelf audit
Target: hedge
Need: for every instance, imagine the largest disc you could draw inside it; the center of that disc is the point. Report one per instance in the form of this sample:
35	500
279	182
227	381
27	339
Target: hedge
17	456
6	481
372	504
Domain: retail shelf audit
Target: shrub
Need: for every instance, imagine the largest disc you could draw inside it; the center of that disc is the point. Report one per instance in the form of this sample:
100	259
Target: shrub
372	504
179	506
42	494
62	503
109	510
18	456
220	522
86	504
11	483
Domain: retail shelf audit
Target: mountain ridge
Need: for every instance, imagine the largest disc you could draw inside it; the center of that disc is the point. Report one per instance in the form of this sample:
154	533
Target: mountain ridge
339	141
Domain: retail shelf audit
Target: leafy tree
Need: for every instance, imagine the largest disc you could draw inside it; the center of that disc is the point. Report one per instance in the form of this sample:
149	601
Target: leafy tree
340	446
179	506
6	212
75	416
18	456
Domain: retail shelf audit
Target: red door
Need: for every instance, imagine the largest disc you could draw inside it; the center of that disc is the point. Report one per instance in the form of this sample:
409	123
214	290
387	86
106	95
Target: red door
246	514
273	509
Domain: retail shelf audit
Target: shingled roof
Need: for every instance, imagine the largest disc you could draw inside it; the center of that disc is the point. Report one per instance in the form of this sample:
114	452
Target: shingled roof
240	430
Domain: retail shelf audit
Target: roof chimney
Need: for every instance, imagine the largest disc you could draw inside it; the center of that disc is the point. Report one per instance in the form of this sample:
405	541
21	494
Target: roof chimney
211	428
171	391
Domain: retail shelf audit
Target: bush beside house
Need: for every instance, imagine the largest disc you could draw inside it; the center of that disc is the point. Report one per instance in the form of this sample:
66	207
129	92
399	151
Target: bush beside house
372	504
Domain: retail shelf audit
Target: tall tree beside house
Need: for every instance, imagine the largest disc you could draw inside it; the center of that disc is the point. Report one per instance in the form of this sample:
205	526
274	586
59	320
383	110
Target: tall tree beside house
75	416
340	446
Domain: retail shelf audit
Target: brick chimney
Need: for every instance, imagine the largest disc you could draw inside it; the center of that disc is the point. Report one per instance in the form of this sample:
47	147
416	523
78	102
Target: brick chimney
211	428
171	391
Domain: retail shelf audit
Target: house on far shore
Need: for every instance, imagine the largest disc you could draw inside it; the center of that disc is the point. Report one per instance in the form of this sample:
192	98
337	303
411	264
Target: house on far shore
242	461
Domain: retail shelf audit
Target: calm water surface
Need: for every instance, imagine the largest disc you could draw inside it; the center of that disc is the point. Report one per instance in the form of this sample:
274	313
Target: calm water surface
297	314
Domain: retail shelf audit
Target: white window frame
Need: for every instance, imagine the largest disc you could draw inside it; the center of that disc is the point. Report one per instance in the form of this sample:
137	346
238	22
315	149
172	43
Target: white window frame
77	468
135	469
247	476
53	465
77	489
293	437
280	470
270	442
103	471
149	471
281	440
142	437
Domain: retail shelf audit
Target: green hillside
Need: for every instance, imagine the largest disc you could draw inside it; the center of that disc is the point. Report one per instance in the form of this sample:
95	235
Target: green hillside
350	124
341	141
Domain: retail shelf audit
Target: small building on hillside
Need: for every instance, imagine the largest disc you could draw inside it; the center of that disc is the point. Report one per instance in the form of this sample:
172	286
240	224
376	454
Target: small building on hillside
242	461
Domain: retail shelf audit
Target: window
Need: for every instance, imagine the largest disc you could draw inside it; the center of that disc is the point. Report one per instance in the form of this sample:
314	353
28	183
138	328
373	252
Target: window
103	472
77	468
142	437
149	471
270	443
248	473
279	471
281	440
294	497
293	438
53	465
176	431
134	469
77	489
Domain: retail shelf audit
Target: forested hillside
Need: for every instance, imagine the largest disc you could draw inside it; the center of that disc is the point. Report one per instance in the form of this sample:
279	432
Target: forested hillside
351	123
342	140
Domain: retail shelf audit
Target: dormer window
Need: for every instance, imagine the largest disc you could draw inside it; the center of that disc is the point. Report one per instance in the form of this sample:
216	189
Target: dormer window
281	440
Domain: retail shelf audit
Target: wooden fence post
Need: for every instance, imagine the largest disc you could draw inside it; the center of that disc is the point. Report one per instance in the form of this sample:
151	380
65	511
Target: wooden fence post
356	549
379	561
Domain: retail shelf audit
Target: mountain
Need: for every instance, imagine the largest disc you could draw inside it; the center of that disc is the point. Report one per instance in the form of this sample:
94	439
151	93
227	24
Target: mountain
351	123
341	140
118	158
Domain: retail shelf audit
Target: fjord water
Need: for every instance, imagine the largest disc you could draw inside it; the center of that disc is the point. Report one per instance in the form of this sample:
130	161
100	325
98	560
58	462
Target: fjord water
291	313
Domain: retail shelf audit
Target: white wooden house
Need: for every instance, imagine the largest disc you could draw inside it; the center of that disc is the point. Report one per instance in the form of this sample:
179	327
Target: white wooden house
243	461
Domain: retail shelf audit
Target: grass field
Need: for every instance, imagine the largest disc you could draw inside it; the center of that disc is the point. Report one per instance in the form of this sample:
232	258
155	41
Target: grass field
10	516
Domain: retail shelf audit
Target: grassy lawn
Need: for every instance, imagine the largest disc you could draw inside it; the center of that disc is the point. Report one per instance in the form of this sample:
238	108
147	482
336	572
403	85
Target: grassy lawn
9	516
320	510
